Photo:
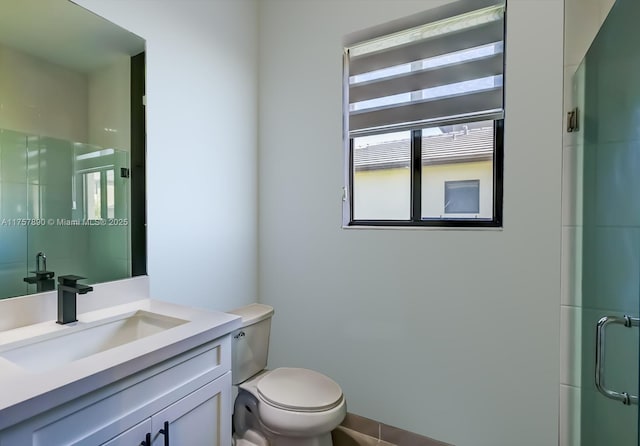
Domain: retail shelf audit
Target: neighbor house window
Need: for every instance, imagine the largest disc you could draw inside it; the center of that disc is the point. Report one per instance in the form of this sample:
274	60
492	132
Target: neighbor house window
462	197
424	119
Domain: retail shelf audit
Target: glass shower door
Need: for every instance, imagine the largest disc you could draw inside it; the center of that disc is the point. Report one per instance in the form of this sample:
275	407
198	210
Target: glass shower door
64	207
608	84
13	209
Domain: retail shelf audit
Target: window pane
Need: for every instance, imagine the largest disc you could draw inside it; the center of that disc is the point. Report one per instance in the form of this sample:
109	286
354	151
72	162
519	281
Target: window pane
457	171
92	195
110	194
462	197
382	177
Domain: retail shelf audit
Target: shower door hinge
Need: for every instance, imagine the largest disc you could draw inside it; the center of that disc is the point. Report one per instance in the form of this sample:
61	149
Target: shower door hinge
572	120
125	172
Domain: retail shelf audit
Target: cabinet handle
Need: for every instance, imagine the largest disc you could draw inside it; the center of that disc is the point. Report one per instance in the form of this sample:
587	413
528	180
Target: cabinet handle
147	441
165	432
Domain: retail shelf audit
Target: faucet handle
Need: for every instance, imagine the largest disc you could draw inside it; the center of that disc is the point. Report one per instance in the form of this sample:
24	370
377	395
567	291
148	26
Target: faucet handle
69	280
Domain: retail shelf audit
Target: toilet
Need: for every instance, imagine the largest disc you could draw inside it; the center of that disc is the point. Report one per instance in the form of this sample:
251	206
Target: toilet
281	407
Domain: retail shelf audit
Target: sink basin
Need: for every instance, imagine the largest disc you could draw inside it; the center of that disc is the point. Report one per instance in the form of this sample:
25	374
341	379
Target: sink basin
79	341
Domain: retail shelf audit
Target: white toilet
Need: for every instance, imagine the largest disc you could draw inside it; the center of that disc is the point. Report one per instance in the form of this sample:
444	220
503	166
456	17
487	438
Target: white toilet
280	407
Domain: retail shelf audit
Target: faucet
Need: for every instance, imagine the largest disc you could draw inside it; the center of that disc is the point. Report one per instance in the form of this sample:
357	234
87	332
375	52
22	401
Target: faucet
42	256
43	279
68	289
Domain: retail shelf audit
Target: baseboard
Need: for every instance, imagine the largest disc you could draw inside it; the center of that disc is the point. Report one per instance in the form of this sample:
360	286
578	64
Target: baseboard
360	431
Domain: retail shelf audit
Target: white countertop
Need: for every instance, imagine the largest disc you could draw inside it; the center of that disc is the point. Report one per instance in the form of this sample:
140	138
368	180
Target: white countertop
25	393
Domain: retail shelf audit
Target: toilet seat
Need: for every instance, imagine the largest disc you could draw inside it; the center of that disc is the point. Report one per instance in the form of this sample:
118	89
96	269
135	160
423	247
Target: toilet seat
299	390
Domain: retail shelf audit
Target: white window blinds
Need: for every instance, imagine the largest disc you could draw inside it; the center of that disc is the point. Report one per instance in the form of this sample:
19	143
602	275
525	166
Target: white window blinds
446	71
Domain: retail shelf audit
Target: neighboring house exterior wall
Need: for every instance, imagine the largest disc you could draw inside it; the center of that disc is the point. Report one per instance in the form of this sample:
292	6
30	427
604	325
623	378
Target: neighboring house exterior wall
382	194
385	193
433	180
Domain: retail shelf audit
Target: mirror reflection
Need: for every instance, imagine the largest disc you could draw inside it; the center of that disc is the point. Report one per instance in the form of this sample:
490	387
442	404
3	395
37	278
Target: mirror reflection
71	84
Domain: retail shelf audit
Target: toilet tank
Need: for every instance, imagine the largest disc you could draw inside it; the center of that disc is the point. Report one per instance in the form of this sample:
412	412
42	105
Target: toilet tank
250	342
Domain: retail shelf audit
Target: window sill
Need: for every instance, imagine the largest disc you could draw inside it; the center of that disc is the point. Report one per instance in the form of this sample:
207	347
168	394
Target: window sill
425	228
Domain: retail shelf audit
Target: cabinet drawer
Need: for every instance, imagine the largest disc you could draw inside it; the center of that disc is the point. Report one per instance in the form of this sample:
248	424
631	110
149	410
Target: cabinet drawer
102	414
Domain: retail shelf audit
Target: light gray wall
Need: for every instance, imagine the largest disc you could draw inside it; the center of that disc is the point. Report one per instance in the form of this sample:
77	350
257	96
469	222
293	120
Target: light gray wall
42	98
452	334
201	145
110	104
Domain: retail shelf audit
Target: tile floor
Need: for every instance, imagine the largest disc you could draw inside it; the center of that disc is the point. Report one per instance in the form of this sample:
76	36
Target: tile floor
360	431
343	436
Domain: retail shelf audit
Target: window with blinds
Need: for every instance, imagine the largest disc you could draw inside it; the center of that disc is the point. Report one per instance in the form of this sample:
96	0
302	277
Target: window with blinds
423	109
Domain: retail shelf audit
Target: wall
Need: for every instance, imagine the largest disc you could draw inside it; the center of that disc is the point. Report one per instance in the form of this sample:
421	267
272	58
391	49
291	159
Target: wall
451	334
201	146
583	19
109	104
41	98
110	126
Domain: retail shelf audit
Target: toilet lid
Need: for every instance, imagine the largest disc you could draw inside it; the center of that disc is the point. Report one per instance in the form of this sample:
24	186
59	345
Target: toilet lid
300	390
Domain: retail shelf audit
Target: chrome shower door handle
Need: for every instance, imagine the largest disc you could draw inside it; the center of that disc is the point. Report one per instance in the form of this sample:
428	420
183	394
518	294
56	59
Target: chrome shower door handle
627	321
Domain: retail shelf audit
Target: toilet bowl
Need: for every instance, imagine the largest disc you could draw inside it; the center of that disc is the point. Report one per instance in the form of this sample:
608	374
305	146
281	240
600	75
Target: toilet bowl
281	407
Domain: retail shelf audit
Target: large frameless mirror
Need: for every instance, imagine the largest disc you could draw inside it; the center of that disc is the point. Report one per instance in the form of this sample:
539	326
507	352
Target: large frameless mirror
71	147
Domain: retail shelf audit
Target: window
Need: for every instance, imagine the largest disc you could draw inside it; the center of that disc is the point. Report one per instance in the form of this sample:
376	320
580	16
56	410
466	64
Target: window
424	119
99	194
96	192
462	197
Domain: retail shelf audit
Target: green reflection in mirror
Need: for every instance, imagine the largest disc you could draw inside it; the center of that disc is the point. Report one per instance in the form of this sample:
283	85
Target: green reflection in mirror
65	145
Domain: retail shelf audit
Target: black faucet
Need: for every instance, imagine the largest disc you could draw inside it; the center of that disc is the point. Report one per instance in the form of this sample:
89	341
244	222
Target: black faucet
43	279
68	288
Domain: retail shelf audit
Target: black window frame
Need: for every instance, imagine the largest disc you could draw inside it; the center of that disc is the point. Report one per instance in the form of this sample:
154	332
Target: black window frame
416	219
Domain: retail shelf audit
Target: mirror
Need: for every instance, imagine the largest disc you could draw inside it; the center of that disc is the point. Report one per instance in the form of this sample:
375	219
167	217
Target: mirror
71	147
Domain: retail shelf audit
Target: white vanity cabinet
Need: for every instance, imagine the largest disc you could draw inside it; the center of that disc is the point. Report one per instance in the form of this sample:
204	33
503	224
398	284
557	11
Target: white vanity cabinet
140	435
188	395
197	419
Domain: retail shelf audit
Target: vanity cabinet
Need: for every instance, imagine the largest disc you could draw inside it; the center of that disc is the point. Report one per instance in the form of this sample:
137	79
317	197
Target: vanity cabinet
137	435
196	419
188	395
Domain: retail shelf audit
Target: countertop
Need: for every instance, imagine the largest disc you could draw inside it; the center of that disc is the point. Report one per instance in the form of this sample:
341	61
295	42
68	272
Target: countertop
25	393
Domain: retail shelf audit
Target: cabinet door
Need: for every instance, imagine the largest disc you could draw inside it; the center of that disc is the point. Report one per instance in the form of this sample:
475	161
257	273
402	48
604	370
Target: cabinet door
136	436
202	418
